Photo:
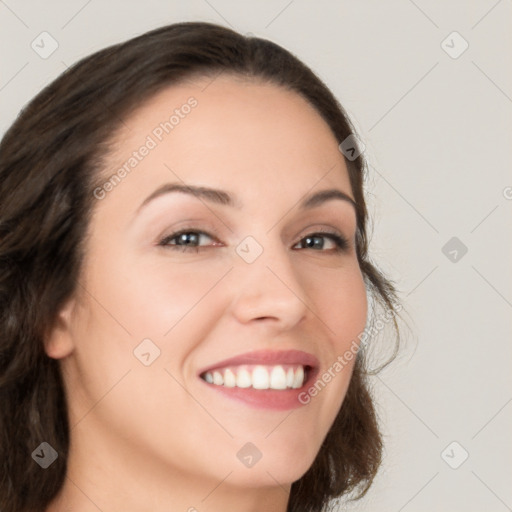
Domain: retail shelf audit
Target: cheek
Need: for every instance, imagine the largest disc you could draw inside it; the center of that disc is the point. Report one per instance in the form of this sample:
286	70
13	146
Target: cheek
341	302
170	304
149	299
176	296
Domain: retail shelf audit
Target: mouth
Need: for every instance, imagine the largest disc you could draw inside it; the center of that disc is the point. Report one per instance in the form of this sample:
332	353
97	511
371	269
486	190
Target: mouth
263	379
277	377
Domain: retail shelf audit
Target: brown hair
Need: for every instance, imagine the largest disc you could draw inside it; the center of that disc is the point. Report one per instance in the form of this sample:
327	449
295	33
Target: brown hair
49	160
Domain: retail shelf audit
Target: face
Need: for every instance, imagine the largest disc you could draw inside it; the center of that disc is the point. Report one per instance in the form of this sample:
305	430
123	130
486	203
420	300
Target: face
174	284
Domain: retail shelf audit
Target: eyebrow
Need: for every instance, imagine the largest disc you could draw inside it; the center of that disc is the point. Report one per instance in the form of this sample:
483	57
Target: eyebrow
224	198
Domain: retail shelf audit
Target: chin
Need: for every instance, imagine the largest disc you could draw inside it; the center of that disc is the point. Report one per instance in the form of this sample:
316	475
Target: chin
275	468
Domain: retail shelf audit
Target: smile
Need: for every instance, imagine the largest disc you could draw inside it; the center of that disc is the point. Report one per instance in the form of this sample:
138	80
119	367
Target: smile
278	377
262	379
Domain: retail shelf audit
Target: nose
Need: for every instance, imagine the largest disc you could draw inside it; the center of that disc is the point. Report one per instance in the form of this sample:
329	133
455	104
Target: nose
269	290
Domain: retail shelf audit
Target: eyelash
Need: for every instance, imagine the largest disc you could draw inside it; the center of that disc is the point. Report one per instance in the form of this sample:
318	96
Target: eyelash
342	244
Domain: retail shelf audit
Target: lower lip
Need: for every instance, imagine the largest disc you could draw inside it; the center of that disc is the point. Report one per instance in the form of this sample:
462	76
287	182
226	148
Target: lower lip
278	400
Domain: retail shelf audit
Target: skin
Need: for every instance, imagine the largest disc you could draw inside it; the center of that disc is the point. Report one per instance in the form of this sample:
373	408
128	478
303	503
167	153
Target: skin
156	437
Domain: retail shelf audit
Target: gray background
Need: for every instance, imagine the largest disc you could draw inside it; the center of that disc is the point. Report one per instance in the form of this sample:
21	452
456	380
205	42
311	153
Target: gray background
438	135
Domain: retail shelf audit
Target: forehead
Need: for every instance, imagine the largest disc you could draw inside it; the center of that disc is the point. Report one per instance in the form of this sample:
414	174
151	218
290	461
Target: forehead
232	133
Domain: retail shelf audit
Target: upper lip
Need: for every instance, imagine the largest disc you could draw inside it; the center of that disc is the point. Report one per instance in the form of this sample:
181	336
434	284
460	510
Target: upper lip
267	357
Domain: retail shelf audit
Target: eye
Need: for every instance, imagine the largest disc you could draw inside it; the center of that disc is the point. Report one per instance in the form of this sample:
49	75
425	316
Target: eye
189	240
317	241
184	240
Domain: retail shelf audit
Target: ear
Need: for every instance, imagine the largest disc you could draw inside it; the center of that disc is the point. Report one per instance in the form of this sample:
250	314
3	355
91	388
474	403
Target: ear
59	341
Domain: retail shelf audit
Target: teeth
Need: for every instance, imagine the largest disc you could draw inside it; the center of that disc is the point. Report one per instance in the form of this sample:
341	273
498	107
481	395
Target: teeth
290	377
243	379
299	377
229	379
218	379
258	377
278	378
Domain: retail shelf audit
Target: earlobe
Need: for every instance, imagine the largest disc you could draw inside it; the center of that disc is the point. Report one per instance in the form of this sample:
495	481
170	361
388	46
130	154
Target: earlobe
59	341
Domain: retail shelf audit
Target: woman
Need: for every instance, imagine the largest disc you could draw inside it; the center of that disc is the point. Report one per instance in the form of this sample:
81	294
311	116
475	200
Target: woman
184	279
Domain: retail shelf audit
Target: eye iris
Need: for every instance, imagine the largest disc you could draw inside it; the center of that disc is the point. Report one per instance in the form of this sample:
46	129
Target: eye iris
314	241
186	238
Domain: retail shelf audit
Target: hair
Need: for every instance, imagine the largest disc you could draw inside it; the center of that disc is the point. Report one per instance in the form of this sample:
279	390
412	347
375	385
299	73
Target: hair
50	160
